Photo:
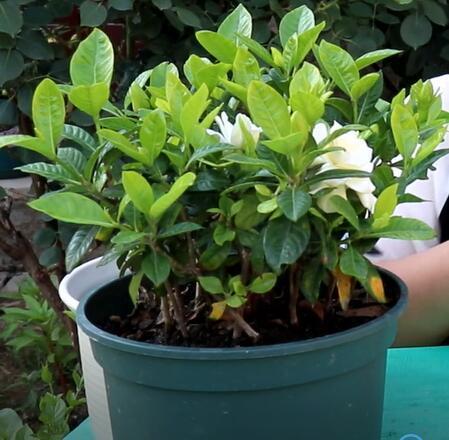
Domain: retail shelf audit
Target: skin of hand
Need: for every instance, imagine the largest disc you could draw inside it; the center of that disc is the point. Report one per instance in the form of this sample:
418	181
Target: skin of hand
426	319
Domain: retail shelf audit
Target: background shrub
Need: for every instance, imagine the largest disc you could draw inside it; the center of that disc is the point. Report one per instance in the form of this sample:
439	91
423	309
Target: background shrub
38	36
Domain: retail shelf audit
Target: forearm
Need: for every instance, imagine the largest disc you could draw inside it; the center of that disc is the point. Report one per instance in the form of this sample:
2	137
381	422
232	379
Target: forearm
426	319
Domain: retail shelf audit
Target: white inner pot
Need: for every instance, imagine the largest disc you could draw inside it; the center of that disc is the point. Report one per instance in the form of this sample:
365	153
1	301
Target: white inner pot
81	281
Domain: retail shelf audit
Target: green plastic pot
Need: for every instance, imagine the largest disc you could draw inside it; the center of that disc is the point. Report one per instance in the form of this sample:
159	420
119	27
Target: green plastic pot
330	387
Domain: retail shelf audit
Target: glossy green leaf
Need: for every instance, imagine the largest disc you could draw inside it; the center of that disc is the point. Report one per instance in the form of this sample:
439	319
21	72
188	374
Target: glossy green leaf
156	267
263	283
307	40
268	110
92	13
222	234
294	203
80	136
257	49
78	247
217	45
214	256
211	284
178	229
11	19
309	106
386	204
405	131
34	45
90	99
416	30
134	286
239	21
124	144
285	241
296	21
403	229
153	133
175	192
93	60
353	263
138	190
374	57
363	85
29	143
12	65
245	68
339	65
48	113
345	209
72	208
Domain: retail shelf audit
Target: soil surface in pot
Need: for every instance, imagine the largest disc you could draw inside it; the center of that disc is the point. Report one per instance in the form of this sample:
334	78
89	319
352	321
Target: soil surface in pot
267	314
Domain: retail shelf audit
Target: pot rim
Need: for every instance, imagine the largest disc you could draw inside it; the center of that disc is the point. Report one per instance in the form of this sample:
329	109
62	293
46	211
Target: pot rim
235	353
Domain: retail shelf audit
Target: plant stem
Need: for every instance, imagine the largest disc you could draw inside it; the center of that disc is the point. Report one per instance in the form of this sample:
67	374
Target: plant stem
293	295
166	314
245	265
240	321
176	301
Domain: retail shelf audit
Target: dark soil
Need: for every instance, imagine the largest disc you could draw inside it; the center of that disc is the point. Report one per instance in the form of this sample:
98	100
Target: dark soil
266	314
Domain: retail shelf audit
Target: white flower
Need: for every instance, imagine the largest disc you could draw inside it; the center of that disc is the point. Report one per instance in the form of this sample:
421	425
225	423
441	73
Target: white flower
236	134
356	155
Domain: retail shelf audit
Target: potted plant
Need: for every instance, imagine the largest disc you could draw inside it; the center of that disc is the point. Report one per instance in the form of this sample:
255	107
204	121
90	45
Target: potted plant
242	193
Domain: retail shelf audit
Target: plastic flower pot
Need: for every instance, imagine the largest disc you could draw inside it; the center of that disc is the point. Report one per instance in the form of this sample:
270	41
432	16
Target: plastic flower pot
322	388
82	281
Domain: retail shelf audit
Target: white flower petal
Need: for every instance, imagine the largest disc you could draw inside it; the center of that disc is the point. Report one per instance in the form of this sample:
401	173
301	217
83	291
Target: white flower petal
320	132
216	133
367	200
360	184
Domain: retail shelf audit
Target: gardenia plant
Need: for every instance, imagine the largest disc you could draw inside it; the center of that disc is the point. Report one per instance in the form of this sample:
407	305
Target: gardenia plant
252	179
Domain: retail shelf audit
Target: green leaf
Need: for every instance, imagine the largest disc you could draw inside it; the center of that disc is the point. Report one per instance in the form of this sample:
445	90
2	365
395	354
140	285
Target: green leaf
239	21
222	234
307	40
28	142
268	110
177	229
10	18
128	237
405	131
124	144
263	283
245	68
80	136
353	263
294	203
90	99
339	65
416	30
386	204
435	12
403	229
92	13
153	133
336	174
345	209
374	57
49	171
199	153
73	158
48	114
257	49
363	85
138	190
175	192
287	145
285	241
134	286
252	161
78	246
217	45
308	105
312	275
215	256
72	208
156	267
34	45
188	17
121	5
93	60
211	284
297	21
12	65
307	79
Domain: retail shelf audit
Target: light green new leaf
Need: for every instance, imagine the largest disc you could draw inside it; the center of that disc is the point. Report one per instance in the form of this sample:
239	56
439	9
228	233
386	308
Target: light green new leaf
124	144
93	60
257	49
153	133
374	57
29	142
307	79
138	190
72	208
192	111
239	21
245	68
263	283
385	205
345	209
211	284
307	40
294	203
217	45
363	85
297	21
90	99
156	267
405	131
288	144
48	114
134	286
175	192
309	106
353	263
268	110
339	65
139	99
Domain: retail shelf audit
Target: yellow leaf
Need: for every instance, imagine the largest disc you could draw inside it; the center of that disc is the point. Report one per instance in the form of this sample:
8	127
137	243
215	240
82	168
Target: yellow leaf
344	287
377	288
218	310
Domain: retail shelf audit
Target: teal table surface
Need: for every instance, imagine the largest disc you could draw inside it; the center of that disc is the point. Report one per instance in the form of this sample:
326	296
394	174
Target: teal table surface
416	396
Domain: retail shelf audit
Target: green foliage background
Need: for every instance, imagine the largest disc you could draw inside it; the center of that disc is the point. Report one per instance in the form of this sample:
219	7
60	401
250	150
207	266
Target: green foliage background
38	36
